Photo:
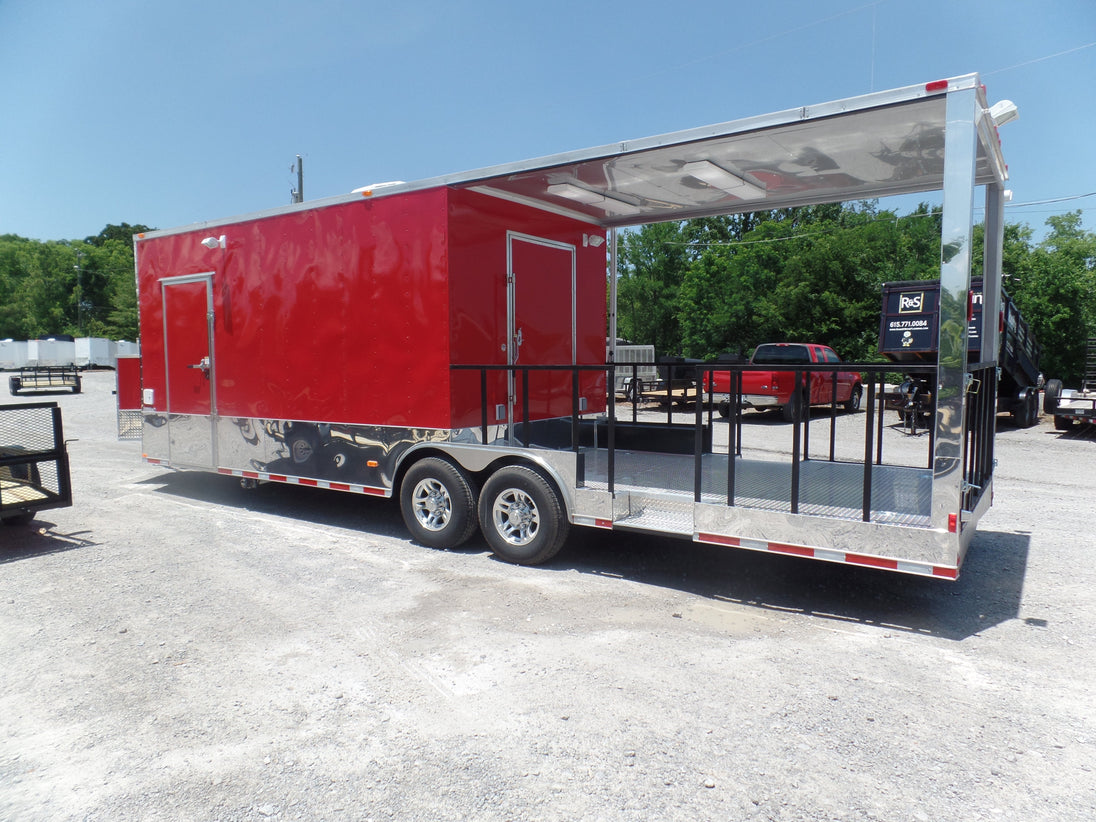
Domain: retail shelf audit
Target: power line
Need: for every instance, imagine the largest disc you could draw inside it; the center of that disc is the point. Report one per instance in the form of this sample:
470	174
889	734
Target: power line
1039	59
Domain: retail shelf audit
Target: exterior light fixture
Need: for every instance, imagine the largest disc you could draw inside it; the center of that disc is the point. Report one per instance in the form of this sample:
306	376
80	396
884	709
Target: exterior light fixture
719	177
589	196
1004	111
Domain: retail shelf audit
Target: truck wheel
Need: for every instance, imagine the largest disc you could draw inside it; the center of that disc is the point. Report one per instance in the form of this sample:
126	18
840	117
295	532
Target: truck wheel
1051	395
438	503
521	516
793	410
852	404
724	409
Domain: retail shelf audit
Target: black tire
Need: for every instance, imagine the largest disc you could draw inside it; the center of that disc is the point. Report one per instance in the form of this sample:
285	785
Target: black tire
852	404
1062	423
521	516
22	518
438	503
793	410
1051	394
724	409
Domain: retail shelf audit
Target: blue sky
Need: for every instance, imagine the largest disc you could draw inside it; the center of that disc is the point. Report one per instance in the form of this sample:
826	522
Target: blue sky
171	112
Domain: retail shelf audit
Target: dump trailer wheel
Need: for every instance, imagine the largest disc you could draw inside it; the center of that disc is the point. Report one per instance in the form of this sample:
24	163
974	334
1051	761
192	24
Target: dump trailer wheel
521	516
1051	394
438	503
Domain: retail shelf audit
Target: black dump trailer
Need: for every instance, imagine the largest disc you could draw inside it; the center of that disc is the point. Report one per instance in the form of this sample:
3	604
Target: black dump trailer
908	335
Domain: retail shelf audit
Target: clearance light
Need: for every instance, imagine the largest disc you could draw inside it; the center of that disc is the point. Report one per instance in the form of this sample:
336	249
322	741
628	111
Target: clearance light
719	177
936	85
953	523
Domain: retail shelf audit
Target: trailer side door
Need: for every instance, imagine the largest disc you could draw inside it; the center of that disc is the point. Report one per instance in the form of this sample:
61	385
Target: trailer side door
541	324
188	368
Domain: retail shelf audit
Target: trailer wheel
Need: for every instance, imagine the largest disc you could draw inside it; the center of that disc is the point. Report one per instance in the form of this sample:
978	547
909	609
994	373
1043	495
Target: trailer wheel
1051	395
1062	423
438	503
724	409
521	516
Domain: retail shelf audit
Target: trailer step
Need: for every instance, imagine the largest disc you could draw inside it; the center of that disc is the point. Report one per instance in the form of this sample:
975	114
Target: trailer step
660	514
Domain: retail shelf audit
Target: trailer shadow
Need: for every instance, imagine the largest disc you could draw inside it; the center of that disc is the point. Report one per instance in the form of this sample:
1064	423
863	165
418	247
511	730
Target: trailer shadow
987	593
38	538
302	503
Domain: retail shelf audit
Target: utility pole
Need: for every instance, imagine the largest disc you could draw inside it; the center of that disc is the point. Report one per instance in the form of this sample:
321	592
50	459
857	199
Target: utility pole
79	292
298	192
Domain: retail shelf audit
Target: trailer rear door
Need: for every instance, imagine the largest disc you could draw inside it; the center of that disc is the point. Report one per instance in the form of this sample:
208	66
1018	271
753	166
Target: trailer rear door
188	355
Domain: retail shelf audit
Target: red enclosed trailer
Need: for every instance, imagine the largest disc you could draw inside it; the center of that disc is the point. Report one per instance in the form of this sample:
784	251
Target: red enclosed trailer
317	346
443	341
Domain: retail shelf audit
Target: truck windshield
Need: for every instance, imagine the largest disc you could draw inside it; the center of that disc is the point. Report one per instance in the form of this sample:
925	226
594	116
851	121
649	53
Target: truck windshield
780	355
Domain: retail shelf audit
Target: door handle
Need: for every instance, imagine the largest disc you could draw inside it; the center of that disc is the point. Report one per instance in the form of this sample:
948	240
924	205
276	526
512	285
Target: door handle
203	365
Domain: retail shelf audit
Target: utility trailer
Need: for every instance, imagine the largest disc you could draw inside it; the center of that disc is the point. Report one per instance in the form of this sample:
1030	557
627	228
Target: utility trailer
34	467
45	379
1068	405
443	342
908	334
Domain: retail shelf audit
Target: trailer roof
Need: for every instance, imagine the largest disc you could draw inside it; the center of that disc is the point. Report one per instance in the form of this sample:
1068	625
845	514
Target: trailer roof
875	145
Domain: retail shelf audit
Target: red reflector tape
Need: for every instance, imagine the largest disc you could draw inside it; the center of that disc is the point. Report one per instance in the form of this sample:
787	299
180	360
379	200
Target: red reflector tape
795	550
716	539
874	562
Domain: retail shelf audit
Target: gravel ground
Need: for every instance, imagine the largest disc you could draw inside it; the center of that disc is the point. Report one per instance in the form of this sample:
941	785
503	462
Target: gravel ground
177	648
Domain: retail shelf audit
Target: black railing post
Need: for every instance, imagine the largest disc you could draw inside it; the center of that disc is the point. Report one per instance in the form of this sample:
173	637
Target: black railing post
575	408
698	440
866	490
525	437
797	383
833	417
483	405
637	391
882	410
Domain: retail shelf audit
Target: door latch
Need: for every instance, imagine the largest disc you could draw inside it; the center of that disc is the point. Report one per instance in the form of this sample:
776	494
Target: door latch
203	365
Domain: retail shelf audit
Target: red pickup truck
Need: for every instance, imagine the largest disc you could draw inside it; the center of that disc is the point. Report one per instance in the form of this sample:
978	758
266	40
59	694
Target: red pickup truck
774	389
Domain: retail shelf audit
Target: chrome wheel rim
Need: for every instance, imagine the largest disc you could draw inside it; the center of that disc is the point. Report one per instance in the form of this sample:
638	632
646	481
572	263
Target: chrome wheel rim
432	504
516	517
